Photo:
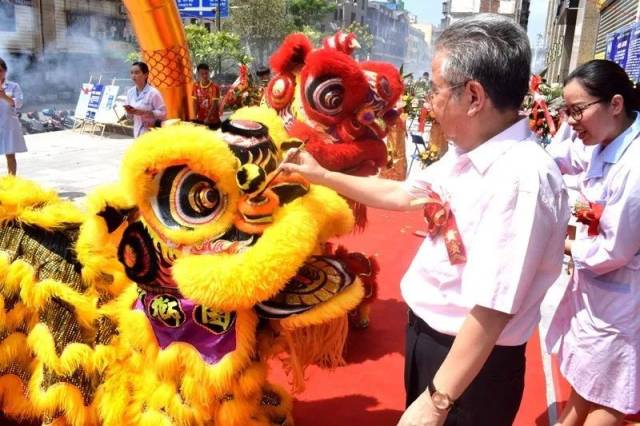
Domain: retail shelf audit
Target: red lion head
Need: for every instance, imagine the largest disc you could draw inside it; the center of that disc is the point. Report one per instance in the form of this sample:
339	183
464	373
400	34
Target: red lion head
340	107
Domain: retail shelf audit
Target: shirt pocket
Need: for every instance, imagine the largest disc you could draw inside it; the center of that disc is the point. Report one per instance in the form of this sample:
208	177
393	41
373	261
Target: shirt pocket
613	299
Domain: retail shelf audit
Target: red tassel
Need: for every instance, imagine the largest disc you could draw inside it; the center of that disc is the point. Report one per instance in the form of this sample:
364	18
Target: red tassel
360	214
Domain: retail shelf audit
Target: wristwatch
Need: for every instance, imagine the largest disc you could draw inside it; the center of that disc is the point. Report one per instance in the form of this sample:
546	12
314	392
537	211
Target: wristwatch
441	400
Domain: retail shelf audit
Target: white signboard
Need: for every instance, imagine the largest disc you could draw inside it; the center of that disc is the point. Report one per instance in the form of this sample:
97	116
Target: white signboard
83	101
105	113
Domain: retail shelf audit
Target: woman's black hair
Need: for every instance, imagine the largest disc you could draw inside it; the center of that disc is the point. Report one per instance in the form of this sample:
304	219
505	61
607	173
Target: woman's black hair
3	65
604	79
143	67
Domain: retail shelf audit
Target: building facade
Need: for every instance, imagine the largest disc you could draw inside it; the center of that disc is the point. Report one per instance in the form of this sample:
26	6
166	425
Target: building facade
389	25
64	26
454	10
52	46
417	57
613	15
577	31
571	28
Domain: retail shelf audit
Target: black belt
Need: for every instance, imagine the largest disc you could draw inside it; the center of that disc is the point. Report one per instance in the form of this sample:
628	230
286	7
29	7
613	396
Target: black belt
422	327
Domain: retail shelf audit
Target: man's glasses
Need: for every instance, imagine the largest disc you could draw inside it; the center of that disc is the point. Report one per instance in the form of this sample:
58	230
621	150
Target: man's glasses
576	111
434	91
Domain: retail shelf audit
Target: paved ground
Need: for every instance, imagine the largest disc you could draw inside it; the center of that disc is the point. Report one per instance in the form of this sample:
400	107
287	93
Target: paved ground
71	162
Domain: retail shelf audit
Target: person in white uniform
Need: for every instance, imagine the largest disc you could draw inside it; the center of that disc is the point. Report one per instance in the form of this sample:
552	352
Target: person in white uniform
144	102
475	287
11	136
597	324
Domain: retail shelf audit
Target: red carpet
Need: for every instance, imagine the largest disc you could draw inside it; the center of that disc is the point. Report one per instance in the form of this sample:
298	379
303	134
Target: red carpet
369	390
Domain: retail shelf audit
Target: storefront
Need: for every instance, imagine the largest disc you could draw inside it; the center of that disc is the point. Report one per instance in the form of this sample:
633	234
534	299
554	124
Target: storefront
614	14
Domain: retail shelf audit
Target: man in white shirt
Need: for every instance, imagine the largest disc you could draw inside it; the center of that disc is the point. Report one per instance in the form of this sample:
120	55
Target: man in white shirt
475	286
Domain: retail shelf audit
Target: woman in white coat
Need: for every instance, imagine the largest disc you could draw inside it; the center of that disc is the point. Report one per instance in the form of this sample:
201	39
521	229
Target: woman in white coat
11	137
597	323
144	102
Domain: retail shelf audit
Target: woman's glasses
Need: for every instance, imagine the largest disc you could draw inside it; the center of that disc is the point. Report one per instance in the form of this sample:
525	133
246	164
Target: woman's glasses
575	111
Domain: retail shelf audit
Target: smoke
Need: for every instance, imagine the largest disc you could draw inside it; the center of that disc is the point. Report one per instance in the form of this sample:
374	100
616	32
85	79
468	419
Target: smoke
92	44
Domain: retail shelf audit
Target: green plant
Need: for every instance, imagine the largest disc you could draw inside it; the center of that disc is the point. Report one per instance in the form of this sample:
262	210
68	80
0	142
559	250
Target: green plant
222	47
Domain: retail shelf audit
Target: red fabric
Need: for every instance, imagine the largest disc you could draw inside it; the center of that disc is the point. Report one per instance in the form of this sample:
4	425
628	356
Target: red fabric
291	54
534	83
590	216
343	45
441	222
361	157
205	96
422	119
369	390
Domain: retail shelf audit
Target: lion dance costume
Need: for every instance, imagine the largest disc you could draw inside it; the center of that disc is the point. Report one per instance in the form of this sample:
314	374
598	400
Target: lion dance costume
163	301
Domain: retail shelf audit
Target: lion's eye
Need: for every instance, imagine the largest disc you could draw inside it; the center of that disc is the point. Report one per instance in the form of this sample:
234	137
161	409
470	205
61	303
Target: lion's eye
326	95
187	199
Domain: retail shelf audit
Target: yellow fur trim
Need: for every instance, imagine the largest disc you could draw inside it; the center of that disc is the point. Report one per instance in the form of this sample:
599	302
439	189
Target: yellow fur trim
26	202
283	410
230	281
203	152
14	349
179	382
73	357
182	360
61	398
155	418
236	412
14	401
267	116
251	381
19	316
38	295
96	248
15	276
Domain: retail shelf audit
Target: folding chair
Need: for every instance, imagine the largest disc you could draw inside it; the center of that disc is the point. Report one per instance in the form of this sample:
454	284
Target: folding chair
417	143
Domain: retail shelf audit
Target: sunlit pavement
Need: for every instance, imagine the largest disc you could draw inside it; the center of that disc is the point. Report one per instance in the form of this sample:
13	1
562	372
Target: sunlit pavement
71	162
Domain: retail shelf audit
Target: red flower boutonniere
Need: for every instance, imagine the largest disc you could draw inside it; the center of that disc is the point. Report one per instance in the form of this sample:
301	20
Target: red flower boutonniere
589	214
440	221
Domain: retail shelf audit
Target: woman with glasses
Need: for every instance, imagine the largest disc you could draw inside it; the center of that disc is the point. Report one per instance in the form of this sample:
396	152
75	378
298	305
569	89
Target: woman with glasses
597	323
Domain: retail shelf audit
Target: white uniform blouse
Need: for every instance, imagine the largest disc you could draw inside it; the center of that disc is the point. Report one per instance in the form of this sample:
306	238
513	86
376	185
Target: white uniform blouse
149	99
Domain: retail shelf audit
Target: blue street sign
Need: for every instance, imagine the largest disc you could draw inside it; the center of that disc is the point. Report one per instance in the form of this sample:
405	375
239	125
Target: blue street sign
203	8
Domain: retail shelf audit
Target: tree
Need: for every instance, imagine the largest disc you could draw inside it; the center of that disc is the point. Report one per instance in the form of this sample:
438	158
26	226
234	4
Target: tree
214	47
313	34
221	47
261	23
309	13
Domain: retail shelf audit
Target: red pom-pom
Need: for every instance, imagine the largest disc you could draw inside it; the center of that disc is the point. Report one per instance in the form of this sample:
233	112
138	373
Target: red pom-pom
292	53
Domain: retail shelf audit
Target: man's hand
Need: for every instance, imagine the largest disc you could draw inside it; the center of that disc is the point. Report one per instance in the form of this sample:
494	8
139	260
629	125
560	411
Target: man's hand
422	413
304	163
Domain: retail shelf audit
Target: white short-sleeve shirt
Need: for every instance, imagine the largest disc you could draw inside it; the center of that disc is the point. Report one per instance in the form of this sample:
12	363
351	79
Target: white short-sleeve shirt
510	205
149	99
